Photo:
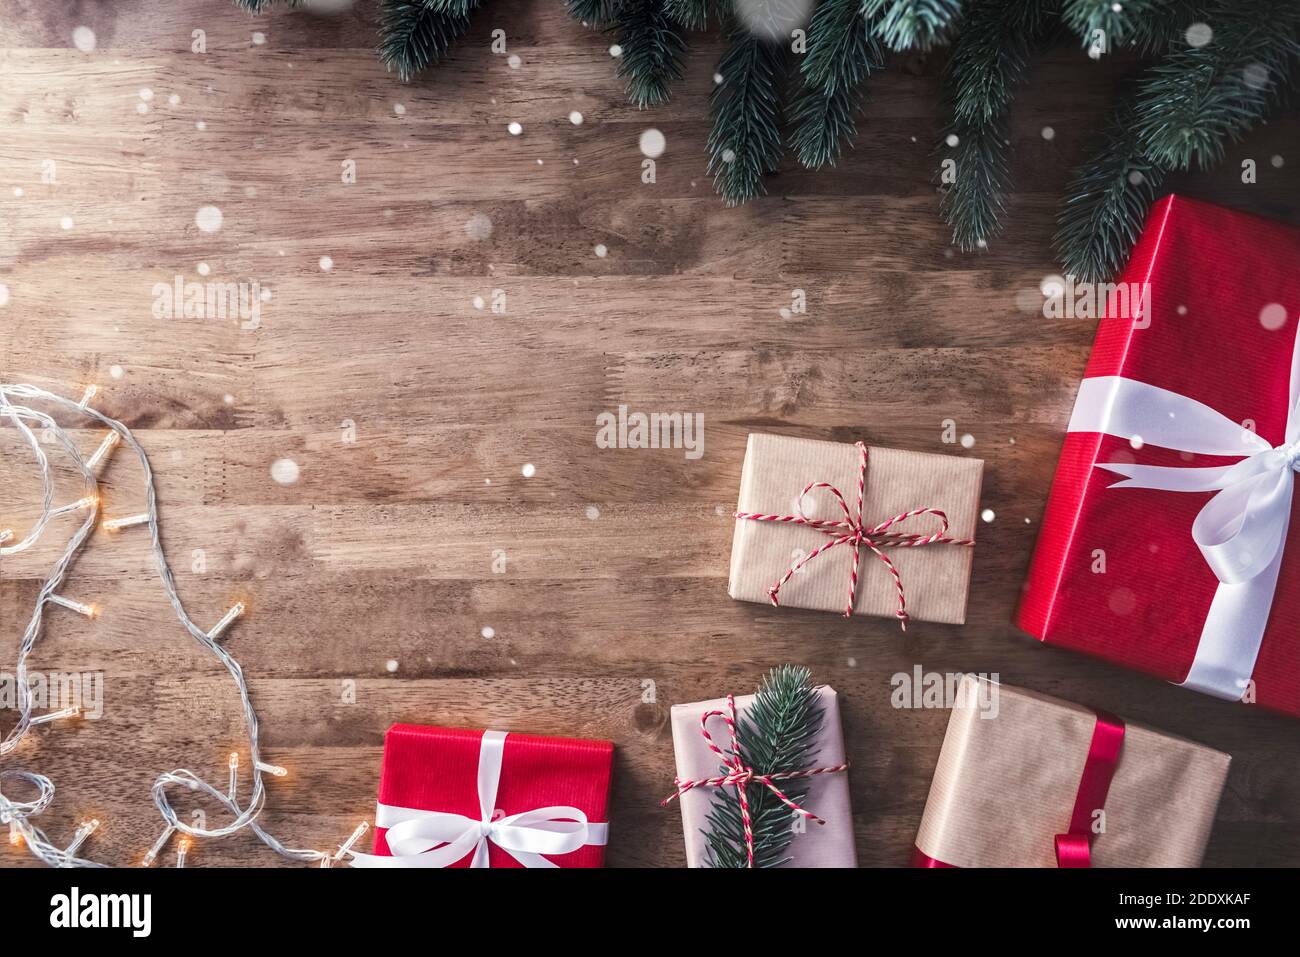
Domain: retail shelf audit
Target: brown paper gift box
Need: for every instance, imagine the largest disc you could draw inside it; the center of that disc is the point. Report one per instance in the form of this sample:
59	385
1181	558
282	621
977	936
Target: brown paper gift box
936	577
1005	787
819	845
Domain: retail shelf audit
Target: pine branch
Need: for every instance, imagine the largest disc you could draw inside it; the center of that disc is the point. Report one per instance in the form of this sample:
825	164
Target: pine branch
1145	25
911	24
1106	204
414	34
653	49
745	142
842	52
1197	100
989	57
596	13
778	733
691	14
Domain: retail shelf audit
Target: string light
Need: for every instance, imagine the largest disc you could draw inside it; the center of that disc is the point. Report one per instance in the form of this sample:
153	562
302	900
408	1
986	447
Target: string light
19	813
234	775
90	501
6	534
117	524
226	621
86	829
151	855
90	611
70	712
101	453
346	846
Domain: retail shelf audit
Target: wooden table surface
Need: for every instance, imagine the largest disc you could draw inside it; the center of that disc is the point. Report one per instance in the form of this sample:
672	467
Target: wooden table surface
600	579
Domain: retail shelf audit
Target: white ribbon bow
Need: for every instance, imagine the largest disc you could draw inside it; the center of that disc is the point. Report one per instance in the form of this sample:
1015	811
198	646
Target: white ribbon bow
418	838
1241	531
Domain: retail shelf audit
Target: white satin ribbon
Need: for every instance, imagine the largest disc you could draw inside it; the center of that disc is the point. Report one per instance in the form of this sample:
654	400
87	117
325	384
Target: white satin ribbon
418	838
1241	531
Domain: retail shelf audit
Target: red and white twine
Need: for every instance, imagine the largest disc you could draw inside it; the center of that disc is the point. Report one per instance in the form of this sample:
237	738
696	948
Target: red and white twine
740	775
852	532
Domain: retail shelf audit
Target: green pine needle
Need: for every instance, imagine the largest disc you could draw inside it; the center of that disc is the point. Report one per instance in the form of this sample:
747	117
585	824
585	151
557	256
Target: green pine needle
596	13
911	24
1197	100
745	141
842	52
692	14
990	56
1107	203
1145	25
777	733
414	34
653	49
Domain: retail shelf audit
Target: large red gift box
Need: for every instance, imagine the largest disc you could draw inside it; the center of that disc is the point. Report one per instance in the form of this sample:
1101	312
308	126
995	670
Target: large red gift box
450	797
1169	542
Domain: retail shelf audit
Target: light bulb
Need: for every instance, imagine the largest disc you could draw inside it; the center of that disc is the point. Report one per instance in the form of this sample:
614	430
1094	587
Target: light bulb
226	620
101	453
152	854
117	524
71	712
90	611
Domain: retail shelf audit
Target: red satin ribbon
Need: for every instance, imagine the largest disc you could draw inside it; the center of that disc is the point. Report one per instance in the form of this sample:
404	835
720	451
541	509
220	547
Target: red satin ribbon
1074	847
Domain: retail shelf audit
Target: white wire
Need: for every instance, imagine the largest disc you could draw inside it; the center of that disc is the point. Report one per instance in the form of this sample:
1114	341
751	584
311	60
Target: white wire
18	812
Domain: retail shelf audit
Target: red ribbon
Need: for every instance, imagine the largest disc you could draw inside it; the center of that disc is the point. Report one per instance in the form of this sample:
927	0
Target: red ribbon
740	775
1074	847
852	532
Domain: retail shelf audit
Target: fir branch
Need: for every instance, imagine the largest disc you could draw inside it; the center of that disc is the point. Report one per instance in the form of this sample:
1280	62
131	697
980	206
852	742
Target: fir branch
1106	204
414	34
911	24
691	14
1197	100
989	57
596	13
745	141
1145	25
653	49
842	52
778	733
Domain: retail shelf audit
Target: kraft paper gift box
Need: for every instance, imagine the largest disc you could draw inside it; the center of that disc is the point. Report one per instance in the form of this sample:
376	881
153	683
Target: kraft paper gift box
935	577
453	797
818	845
1169	542
1006	787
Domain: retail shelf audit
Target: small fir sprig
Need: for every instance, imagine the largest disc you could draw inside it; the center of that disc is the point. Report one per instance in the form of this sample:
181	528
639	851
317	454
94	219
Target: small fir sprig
777	733
911	24
842	52
745	142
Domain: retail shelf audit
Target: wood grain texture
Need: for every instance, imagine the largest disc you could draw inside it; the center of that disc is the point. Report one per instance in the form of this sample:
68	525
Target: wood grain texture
383	549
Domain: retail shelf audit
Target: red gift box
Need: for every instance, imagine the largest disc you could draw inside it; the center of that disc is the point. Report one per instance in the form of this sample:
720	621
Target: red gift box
450	797
1169	539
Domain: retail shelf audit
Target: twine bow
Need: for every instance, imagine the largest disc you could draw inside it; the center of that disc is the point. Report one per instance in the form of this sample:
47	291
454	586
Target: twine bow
852	532
741	776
